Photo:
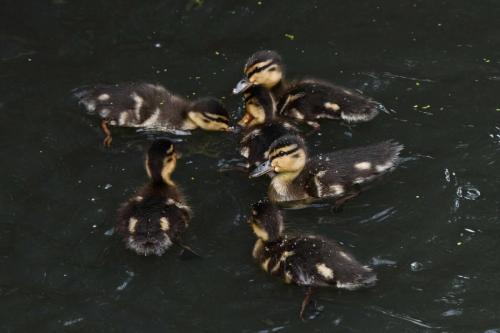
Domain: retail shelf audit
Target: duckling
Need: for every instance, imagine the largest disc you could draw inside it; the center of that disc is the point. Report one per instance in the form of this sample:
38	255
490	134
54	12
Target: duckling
337	174
306	260
261	126
155	217
306	100
148	105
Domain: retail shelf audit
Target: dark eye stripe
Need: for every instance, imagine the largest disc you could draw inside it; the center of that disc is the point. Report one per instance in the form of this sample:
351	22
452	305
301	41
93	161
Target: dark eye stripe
259	69
216	119
286	153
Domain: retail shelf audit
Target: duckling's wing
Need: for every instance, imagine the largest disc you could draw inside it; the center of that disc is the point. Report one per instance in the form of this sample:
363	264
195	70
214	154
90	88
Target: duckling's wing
315	99
157	211
335	173
126	104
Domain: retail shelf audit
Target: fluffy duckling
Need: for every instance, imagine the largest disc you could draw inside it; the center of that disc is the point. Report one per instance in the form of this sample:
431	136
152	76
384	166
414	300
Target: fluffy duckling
148	105
261	128
153	219
306	260
306	100
337	174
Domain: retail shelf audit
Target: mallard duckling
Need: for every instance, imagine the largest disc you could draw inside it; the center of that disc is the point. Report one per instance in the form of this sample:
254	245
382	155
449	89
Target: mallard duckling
337	175
155	217
148	105
306	260
261	126
306	100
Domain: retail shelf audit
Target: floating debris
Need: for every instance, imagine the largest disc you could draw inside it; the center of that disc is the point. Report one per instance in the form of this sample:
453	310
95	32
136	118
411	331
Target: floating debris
290	36
108	186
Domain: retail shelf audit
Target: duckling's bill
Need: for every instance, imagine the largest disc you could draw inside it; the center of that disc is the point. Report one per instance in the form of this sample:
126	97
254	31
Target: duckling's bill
241	86
261	169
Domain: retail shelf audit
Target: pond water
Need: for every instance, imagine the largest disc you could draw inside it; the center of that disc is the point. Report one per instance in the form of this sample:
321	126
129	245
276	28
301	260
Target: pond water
431	229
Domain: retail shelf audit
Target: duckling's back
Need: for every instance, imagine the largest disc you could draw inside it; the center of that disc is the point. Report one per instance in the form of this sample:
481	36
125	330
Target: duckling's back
133	104
333	174
315	99
316	261
155	209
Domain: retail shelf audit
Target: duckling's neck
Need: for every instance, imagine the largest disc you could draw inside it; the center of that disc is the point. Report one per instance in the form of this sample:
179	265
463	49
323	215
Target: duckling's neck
279	88
189	124
167	178
283	187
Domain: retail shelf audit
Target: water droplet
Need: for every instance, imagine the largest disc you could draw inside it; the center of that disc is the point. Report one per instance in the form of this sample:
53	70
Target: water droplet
447	175
108	186
468	192
416	266
158	45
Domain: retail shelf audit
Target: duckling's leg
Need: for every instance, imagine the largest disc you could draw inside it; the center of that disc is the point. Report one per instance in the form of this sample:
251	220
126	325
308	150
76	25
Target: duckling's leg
305	302
107	132
186	252
339	203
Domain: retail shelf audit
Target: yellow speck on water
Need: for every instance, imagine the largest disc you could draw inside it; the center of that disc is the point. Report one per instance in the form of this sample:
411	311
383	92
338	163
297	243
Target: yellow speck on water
217	52
415	106
417	83
290	36
259	3
426	107
192	178
486	60
459	243
497	109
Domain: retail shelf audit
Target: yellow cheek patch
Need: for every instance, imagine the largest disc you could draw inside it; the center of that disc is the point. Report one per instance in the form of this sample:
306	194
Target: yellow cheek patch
259	232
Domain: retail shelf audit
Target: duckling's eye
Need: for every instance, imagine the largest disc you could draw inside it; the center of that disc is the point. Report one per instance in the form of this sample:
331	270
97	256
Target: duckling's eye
272	69
170	159
281	153
205	121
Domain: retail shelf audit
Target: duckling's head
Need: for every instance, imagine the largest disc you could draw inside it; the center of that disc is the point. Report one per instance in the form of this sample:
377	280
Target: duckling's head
288	154
259	106
147	236
266	221
209	114
161	160
263	68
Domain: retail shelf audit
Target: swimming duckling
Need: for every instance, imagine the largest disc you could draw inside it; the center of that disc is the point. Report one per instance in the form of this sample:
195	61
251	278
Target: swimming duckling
306	100
337	174
306	260
261	126
153	219
148	105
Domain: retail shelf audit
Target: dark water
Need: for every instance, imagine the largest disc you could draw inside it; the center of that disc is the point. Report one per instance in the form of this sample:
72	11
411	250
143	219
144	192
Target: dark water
431	228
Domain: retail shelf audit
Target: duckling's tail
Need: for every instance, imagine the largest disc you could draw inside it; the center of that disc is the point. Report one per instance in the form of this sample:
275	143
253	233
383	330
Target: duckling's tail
364	279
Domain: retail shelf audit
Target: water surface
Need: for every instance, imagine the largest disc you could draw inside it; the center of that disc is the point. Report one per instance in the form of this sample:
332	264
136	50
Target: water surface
431	228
